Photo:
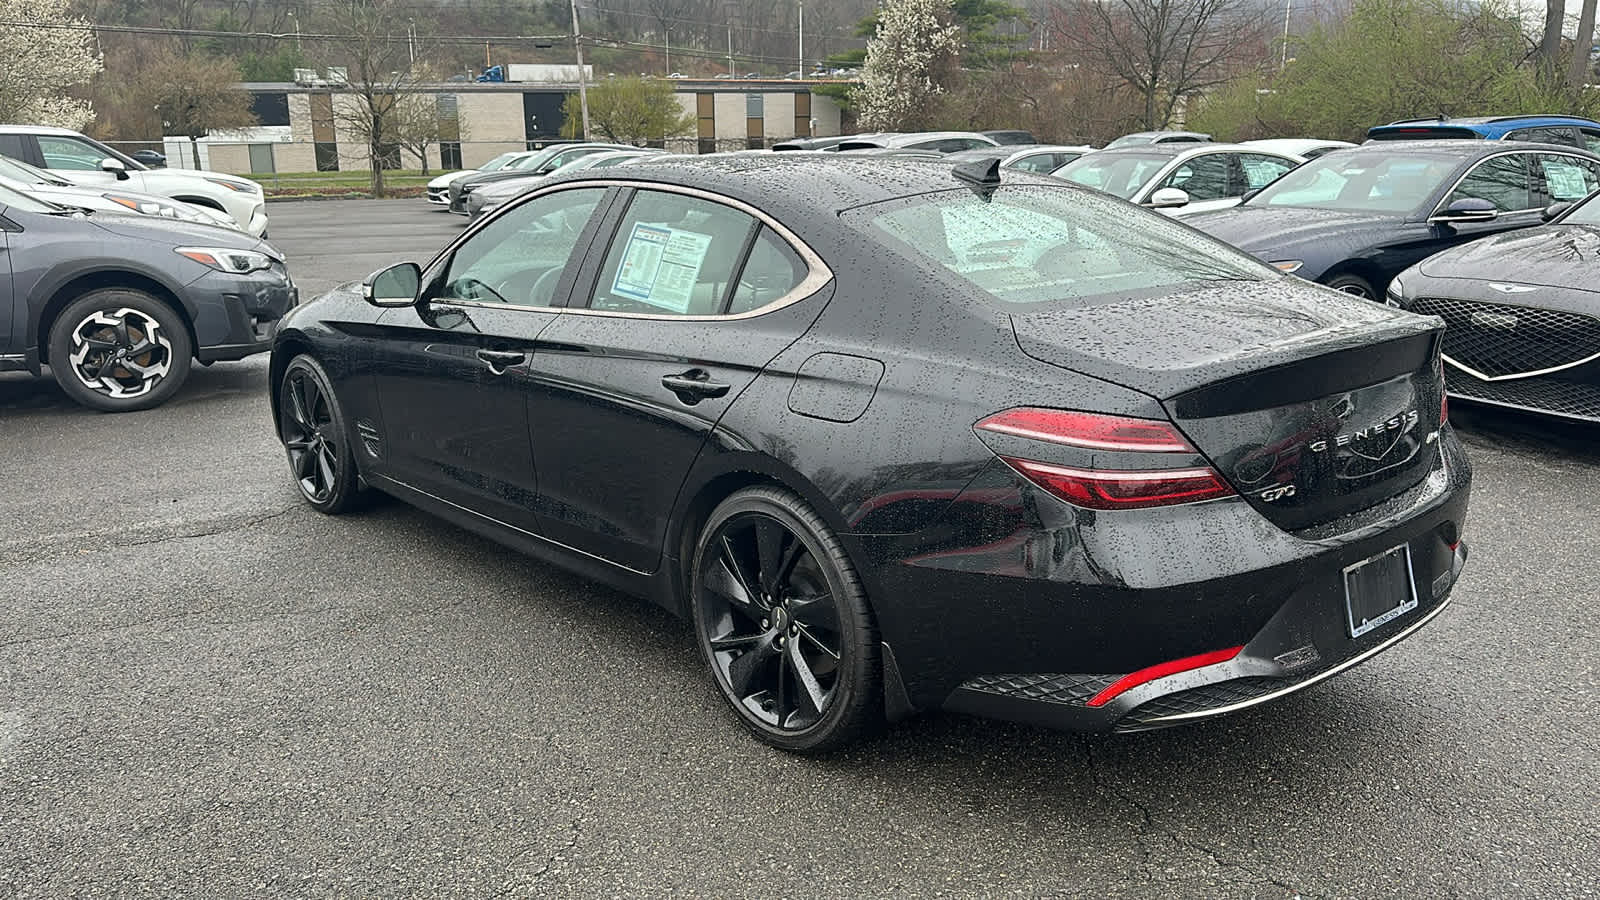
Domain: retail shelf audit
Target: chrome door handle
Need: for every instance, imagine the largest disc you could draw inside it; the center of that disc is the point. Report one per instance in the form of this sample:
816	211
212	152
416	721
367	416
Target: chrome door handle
499	361
693	386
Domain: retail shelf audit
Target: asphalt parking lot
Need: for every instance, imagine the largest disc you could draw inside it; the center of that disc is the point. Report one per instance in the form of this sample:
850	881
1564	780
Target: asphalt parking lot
206	689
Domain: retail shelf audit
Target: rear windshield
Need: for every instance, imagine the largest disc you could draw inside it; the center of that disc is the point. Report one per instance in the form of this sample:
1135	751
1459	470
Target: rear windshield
1364	181
1038	244
1423	133
1118	174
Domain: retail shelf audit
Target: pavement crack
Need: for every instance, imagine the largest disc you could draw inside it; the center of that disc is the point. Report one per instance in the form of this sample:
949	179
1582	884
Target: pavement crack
533	879
107	540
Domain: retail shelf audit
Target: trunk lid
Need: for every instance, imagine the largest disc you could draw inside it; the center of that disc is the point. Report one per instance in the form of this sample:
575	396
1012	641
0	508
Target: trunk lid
1313	405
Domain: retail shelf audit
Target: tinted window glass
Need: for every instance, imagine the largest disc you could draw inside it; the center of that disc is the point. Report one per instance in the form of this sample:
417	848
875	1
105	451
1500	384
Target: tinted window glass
11	146
1367	181
1038	244
1261	170
772	271
1043	163
68	153
1590	136
1568	178
672	255
1203	177
1546	135
1121	174
518	257
1501	180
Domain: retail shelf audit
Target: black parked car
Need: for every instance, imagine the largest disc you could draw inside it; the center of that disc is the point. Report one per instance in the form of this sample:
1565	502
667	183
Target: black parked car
118	305
1523	314
1354	219
896	440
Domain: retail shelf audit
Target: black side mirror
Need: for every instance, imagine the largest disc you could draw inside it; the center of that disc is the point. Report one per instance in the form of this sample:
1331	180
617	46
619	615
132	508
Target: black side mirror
1555	211
115	167
1467	209
393	287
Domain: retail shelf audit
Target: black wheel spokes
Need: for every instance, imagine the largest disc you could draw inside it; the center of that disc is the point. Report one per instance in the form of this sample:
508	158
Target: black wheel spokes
308	435
773	627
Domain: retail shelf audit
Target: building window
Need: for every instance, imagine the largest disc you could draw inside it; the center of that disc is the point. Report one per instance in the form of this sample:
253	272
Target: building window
802	114
322	119
270	109
752	106
450	155
327	156
754	123
541	115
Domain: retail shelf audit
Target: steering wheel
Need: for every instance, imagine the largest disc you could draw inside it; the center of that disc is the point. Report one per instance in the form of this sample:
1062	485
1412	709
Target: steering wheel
474	289
544	289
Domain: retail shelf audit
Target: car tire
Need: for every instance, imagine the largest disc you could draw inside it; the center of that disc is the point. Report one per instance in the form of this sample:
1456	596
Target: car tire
119	350
783	623
316	438
1353	285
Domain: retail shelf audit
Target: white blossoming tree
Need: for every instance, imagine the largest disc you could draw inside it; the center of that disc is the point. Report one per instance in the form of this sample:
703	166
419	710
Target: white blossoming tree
38	64
916	44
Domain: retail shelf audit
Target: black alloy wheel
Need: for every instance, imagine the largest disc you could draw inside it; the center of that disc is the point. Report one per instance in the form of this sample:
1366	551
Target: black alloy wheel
1354	285
312	427
783	623
119	350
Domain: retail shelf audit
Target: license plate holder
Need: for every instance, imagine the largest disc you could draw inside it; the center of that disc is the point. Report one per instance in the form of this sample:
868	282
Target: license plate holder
1379	590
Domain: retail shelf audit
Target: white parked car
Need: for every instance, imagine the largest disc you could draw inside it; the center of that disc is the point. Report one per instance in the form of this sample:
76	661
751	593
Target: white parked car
439	188
1180	178
40	184
1310	148
937	141
86	162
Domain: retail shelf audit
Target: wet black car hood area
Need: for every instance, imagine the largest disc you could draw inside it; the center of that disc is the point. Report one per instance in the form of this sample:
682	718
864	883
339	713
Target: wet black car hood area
1259	229
1558	256
1208	333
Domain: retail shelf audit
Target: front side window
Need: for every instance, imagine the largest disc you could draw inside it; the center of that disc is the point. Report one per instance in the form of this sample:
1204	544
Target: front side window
1568	178
1371	181
69	154
1203	177
1041	163
517	259
1031	244
1261	170
1501	180
673	255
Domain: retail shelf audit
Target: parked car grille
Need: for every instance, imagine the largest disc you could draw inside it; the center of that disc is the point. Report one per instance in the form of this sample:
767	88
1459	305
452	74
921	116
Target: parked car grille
1497	339
1200	699
1049	688
1547	394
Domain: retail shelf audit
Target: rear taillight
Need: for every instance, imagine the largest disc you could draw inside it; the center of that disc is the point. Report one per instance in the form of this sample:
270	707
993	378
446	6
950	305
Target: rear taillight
1096	487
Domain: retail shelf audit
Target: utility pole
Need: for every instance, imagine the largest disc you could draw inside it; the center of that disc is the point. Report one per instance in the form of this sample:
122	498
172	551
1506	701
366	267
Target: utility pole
669	51
1287	5
802	7
731	72
583	80
411	41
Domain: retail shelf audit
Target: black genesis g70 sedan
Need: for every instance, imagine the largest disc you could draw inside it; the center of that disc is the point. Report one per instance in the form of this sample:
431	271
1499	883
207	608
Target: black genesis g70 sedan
901	437
1522	314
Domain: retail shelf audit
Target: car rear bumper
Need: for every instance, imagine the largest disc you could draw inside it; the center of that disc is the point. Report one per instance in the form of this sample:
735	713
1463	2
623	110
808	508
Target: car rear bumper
1043	614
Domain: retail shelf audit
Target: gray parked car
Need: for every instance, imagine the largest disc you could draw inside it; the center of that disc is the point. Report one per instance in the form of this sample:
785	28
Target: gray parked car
118	306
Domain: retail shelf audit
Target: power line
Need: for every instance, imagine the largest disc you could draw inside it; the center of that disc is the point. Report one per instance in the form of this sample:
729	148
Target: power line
273	35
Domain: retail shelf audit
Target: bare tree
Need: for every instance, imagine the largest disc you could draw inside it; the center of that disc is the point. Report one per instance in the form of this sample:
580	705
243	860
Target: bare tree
1164	50
379	52
195	95
1555	15
1580	67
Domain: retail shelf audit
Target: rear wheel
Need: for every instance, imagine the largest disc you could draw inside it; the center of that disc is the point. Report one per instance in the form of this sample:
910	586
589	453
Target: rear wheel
1354	285
783	623
119	350
313	429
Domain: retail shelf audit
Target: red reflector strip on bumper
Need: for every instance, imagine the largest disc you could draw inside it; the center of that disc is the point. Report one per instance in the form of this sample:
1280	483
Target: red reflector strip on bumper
1161	670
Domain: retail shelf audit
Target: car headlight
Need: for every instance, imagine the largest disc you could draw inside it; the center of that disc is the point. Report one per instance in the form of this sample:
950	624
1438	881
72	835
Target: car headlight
234	262
248	187
1287	265
147	207
1395	294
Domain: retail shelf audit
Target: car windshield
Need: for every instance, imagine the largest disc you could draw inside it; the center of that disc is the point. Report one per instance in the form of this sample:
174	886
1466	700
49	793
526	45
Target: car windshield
15	199
1035	244
498	162
1361	182
534	160
1587	214
1131	140
1118	174
21	171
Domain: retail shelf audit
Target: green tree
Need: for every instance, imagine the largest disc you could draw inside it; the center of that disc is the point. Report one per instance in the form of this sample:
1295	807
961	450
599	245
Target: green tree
629	111
195	95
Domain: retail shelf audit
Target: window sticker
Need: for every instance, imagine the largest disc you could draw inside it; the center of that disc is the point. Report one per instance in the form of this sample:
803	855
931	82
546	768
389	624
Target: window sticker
660	266
1566	180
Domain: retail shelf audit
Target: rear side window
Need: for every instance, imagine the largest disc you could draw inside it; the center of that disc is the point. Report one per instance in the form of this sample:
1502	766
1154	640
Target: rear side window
1501	180
772	270
1424	133
673	255
1029	244
1261	170
1550	134
1203	177
1568	178
1590	136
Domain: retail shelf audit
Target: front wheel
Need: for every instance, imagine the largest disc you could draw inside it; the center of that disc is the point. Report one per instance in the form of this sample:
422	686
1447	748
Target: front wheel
783	622
312	426
1354	285
119	350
